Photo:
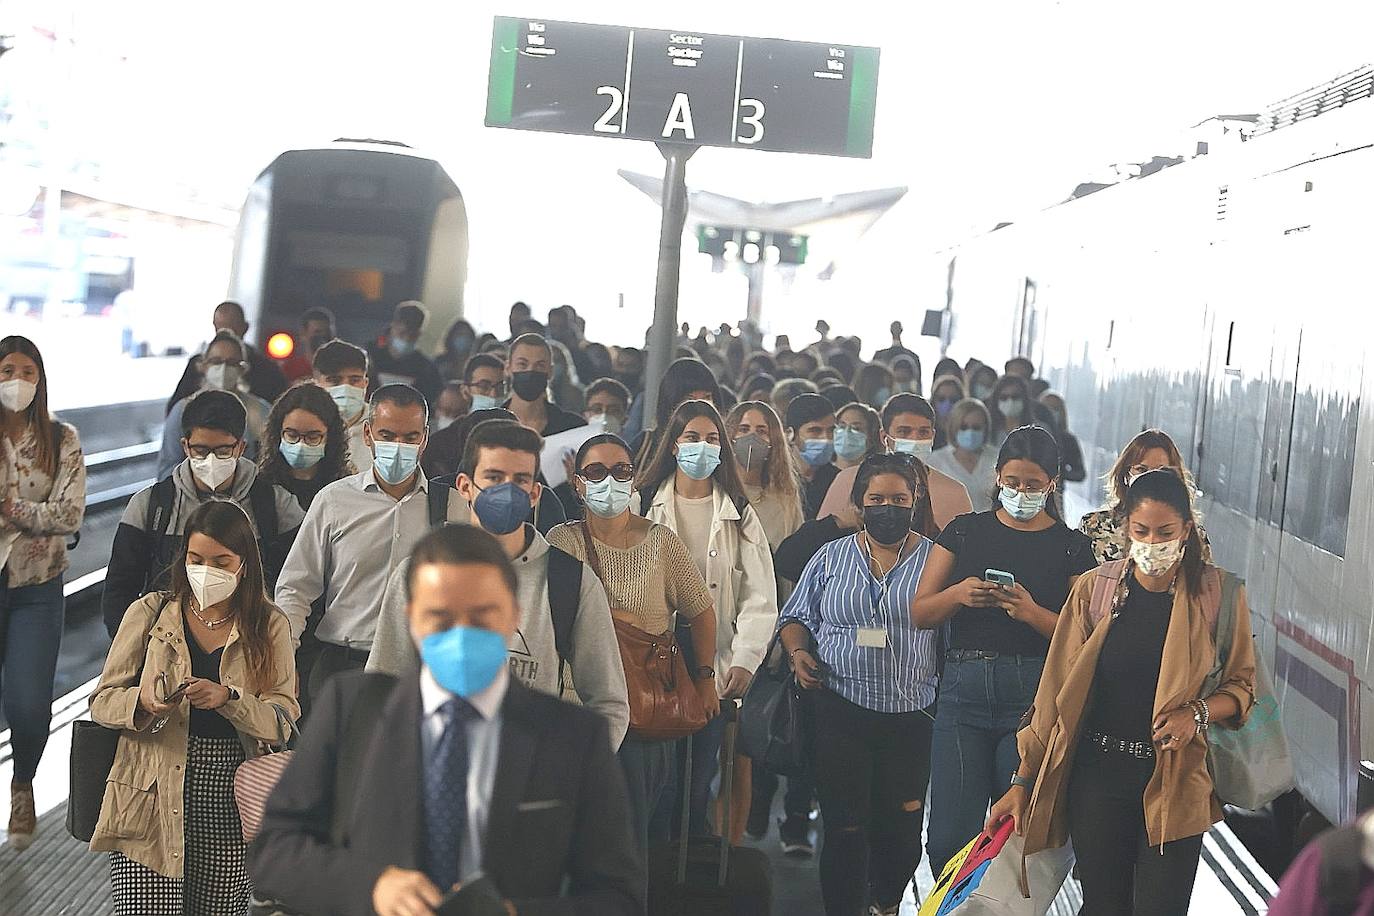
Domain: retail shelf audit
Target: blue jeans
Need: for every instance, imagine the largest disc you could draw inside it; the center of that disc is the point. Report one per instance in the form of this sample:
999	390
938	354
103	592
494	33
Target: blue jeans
31	623
973	753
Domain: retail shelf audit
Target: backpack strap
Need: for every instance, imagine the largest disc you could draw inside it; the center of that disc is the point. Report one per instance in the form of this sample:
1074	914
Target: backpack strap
262	499
646	501
1105	582
439	490
157	518
565	595
362	719
1338	877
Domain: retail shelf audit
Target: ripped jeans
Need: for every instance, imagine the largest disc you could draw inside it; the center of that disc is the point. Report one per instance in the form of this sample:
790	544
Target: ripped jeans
982	698
871	775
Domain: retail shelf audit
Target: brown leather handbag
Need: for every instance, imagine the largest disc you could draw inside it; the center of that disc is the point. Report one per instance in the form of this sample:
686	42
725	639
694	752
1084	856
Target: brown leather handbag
664	703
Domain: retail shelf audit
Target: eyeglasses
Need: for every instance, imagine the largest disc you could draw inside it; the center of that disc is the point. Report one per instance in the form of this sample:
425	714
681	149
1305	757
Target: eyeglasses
595	473
293	437
490	389
1137	470
1029	491
217	361
205	451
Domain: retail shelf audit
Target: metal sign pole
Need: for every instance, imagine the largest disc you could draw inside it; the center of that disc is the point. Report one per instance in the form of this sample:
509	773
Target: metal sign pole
663	336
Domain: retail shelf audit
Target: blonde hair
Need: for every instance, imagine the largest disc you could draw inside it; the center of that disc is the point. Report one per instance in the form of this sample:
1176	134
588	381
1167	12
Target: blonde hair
1142	442
961	410
779	472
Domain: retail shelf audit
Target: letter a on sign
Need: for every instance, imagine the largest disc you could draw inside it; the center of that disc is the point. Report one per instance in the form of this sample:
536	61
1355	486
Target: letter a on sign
679	118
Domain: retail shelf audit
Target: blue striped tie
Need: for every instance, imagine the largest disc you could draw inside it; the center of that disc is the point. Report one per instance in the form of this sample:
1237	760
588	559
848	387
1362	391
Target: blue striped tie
446	795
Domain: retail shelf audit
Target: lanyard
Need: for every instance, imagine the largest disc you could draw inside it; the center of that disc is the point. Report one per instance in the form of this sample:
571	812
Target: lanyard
878	586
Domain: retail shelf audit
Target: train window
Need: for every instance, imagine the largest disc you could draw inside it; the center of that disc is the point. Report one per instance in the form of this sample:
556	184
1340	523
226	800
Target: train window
347	251
1321	463
1236	400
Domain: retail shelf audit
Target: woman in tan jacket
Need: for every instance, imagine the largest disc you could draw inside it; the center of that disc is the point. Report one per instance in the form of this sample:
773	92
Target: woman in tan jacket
1115	756
197	678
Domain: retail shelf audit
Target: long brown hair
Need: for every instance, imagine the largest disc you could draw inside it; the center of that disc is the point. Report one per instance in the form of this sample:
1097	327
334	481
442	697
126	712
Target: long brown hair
664	465
314	400
46	433
780	471
1143	442
225	522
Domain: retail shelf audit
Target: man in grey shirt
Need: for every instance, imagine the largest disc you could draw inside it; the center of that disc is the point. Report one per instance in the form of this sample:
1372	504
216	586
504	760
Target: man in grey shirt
498	479
358	530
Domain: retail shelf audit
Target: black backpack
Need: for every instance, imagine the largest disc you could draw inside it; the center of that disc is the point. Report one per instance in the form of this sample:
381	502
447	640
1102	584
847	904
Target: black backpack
565	577
163	550
1340	875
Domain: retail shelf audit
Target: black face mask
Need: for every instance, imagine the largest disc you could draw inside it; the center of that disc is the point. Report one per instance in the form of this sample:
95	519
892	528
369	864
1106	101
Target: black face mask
888	525
529	386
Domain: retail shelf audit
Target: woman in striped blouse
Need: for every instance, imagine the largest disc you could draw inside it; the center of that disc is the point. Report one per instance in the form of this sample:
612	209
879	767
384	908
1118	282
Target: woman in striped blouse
848	631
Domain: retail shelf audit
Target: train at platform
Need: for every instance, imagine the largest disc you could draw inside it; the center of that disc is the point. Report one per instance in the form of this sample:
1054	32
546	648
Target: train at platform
355	226
1225	299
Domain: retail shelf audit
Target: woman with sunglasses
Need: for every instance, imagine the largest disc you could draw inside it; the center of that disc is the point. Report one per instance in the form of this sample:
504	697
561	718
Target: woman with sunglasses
305	446
848	629
693	487
995	581
649	577
198	678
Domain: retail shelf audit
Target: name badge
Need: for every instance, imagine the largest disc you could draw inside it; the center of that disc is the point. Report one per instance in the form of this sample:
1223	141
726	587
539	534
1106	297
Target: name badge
873	637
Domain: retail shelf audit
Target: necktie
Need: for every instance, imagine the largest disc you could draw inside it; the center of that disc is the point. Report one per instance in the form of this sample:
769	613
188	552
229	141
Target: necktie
446	795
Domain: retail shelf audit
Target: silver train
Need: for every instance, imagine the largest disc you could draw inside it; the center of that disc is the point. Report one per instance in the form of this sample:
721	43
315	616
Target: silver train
357	226
1226	300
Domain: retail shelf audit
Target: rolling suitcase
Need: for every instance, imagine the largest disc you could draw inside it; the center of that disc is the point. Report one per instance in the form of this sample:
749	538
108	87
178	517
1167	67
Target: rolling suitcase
705	875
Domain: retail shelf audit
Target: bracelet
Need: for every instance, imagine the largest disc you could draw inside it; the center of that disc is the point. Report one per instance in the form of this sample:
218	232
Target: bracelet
1202	716
1025	782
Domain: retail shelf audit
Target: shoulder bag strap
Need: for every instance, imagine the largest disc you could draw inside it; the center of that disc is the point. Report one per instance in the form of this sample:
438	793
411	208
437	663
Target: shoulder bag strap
1105	583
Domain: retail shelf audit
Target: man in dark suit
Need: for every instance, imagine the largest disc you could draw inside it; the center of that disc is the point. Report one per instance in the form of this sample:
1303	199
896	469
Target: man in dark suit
264	378
462	772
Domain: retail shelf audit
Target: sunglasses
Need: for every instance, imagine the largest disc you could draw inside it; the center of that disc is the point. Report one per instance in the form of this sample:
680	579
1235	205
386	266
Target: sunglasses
595	473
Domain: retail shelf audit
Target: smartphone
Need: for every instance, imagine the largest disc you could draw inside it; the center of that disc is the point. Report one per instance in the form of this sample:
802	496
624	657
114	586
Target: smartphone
177	694
477	897
999	577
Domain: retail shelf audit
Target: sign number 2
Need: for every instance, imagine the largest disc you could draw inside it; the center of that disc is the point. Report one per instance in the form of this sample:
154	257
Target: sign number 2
603	124
754	121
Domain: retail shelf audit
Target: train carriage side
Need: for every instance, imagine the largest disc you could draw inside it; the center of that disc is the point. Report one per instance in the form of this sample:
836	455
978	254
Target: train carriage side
356	227
1226	300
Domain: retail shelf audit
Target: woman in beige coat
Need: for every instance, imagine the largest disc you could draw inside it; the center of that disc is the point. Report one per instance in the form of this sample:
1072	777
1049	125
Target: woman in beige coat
1115	756
198	678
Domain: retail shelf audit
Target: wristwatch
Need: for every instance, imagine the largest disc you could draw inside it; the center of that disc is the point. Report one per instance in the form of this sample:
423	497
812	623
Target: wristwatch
1025	782
704	673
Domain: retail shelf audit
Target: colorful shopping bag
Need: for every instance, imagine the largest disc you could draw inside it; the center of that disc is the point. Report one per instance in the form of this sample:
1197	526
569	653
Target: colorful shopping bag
931	905
962	875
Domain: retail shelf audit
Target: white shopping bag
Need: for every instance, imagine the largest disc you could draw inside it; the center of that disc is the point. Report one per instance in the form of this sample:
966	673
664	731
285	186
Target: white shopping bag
999	893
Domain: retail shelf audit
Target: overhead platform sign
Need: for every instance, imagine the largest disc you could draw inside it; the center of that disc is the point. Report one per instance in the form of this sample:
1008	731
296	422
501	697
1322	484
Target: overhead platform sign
690	88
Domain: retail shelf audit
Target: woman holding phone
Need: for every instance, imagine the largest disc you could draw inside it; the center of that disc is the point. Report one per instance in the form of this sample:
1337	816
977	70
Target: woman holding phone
995	581
198	677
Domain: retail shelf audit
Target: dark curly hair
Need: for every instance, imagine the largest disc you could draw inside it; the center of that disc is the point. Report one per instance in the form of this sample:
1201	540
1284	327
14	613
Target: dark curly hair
307	396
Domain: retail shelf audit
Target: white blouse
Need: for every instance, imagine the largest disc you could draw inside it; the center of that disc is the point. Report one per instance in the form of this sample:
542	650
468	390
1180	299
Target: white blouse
979	483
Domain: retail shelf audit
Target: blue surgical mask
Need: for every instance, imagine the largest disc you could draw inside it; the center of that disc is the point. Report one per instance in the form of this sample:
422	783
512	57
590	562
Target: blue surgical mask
608	498
1023	506
395	461
464	660
399	347
970	440
349	399
818	452
502	508
484	402
982	392
943	406
698	460
921	448
301	456
850	444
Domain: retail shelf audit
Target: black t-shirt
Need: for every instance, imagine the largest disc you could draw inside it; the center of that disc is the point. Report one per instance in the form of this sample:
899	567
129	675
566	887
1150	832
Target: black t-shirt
207	723
816	488
1042	561
415	369
1128	668
305	491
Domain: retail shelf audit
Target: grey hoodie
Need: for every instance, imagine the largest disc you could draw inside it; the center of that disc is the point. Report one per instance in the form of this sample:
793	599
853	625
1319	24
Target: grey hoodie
594	666
134	559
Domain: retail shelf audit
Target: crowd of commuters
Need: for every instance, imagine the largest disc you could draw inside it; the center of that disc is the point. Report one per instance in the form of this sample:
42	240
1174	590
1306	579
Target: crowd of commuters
375	548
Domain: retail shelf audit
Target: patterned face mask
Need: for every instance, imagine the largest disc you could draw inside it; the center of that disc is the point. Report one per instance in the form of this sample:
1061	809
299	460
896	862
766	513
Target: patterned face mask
1157	559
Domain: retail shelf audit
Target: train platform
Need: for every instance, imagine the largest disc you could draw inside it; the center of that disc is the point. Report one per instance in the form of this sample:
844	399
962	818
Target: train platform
59	876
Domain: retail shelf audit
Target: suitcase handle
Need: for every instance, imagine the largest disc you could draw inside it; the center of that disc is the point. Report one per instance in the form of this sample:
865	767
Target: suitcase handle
729	710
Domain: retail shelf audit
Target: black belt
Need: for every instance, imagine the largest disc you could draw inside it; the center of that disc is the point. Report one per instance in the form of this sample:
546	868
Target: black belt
1140	750
974	655
353	655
